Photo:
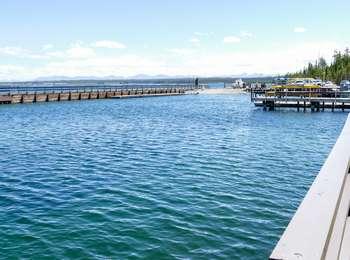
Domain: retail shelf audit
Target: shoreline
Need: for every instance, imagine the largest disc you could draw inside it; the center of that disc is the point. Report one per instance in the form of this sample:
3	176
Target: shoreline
221	91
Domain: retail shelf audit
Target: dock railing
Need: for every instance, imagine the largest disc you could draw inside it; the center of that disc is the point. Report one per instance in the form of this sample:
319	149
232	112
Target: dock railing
38	93
320	228
10	90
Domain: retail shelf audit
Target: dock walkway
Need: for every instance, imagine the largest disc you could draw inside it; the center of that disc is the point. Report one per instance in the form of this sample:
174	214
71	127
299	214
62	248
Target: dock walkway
15	95
301	100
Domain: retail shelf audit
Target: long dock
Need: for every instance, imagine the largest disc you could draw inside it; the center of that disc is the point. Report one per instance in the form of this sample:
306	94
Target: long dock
17	95
320	228
302	100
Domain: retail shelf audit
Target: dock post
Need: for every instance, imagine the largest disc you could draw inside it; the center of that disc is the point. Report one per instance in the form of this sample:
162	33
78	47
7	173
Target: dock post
298	106
323	106
342	106
304	105
270	105
332	106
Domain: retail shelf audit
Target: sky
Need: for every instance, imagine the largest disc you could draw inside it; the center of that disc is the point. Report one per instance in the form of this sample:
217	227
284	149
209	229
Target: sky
99	38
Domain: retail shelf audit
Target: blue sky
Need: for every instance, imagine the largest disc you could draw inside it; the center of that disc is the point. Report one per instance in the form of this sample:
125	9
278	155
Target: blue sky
204	38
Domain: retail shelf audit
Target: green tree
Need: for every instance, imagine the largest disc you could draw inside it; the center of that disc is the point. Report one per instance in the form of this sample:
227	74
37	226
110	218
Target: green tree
336	71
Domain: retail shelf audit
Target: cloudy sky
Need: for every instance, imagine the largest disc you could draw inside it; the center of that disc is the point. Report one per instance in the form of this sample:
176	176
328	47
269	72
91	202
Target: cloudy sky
41	38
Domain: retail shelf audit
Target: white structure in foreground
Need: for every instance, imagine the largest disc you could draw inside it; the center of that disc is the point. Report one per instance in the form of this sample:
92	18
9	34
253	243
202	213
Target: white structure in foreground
320	228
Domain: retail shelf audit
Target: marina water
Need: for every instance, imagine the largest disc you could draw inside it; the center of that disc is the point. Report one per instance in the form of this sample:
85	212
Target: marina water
204	176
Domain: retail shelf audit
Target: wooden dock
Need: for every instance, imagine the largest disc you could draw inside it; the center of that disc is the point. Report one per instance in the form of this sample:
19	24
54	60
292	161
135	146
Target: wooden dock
302	100
49	94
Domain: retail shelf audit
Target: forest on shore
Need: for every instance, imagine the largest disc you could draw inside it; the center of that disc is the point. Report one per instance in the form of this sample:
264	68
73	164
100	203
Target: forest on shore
336	71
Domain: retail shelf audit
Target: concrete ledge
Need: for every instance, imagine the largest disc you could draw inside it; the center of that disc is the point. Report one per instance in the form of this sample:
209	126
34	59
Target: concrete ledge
101	95
109	94
5	99
15	99
52	97
64	96
84	95
30	98
41	97
93	95
74	96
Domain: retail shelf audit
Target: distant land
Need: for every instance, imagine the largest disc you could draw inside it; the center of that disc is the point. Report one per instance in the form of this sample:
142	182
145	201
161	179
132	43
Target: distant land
159	79
148	77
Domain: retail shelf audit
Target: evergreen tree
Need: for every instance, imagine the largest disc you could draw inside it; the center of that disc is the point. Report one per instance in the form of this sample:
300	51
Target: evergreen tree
338	70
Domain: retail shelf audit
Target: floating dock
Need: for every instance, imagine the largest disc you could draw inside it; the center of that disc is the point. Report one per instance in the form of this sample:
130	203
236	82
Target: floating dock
16	95
333	100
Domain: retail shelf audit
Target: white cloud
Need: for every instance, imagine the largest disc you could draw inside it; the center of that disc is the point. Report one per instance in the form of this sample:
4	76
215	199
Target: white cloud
19	52
13	51
75	51
287	58
79	60
47	47
299	29
232	39
204	34
55	54
246	34
195	40
109	44
12	72
181	51
79	52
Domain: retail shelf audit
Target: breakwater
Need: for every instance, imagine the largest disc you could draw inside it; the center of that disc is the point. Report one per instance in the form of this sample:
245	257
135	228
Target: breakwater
18	95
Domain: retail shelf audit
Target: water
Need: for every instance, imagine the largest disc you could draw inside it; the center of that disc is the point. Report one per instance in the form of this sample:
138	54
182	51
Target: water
187	177
216	85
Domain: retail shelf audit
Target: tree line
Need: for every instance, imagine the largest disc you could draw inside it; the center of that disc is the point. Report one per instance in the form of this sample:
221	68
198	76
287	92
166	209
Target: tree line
336	71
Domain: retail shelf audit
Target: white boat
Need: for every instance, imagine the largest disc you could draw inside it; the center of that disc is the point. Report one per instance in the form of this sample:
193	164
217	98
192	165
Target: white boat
330	84
238	83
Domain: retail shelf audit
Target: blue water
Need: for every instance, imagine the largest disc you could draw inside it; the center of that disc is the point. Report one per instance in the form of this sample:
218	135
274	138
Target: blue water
187	177
216	85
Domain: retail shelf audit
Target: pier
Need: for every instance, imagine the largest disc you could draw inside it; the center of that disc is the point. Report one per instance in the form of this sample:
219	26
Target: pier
33	94
315	101
320	228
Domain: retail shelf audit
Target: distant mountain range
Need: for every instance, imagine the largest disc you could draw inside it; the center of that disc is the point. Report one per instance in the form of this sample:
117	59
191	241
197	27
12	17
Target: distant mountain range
136	77
147	77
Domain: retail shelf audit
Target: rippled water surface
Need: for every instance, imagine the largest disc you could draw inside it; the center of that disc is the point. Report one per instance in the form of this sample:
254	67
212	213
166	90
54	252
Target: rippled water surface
190	177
